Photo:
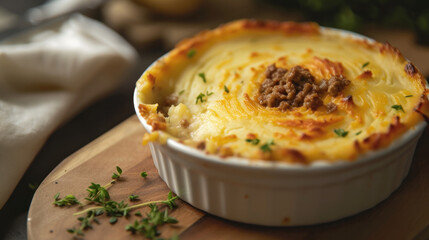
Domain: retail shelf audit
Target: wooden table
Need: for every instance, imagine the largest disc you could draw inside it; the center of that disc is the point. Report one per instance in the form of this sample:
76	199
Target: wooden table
404	215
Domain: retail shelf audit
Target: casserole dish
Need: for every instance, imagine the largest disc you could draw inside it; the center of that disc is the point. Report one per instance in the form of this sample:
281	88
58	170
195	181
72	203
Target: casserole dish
244	150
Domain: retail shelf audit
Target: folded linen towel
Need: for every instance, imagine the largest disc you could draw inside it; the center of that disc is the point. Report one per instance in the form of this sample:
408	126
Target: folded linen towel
47	76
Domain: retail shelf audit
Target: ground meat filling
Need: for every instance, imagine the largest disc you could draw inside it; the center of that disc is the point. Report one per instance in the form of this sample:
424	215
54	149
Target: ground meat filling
285	89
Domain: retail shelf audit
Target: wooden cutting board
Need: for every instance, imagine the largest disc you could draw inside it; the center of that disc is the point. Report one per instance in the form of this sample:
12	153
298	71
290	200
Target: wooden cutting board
404	215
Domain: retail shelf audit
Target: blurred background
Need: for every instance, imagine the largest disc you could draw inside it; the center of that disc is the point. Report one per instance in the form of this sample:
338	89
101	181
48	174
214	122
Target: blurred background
154	26
160	24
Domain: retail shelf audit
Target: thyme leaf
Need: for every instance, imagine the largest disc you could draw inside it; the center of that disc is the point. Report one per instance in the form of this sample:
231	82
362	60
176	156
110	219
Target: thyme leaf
203	97
85	223
97	193
266	147
133	197
191	53
200	98
117	175
340	132
113	220
226	88
148	226
202	76
254	141
398	108
68	200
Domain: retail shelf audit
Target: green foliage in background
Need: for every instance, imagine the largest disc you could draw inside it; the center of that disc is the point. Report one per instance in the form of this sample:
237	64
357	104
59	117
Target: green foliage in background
353	14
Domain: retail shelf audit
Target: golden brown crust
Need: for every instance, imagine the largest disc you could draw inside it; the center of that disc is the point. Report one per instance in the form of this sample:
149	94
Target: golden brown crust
410	69
423	107
288	28
388	48
302	125
154	119
309	124
380	140
326	68
290	155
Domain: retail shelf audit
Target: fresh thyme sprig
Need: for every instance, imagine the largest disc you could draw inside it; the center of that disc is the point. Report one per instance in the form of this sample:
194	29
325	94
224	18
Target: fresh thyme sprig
97	193
68	200
86	223
148	225
169	202
116	209
100	196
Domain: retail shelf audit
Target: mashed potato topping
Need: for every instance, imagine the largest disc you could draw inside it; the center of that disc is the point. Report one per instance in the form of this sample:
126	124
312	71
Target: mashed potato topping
208	93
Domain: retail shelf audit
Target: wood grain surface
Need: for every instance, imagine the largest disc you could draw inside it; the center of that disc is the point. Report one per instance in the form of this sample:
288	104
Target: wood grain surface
404	215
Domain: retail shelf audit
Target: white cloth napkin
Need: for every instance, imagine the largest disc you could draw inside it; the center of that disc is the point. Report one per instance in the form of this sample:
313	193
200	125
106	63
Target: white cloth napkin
48	75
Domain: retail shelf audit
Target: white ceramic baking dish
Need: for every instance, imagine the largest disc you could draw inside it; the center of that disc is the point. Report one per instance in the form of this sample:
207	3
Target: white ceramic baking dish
279	194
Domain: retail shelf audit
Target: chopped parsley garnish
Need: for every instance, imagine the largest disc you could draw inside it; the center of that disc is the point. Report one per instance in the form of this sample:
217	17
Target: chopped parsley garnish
191	53
254	141
266	147
201	97
408	96
358	133
181	92
202	76
148	226
365	64
398	108
340	132
226	88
